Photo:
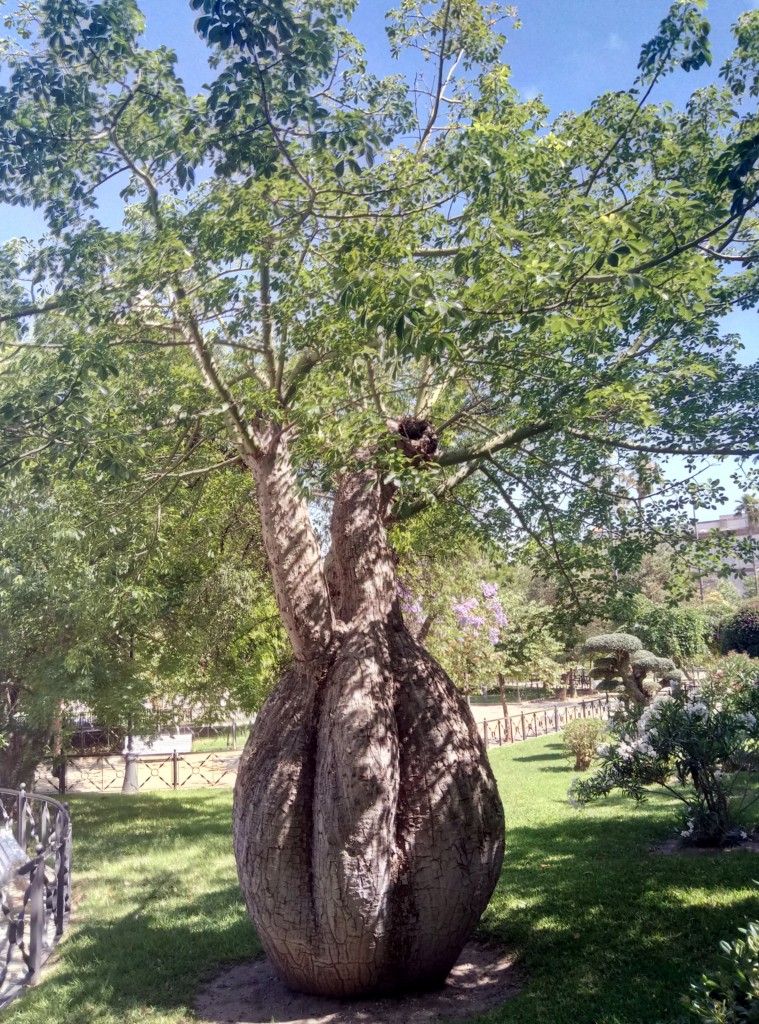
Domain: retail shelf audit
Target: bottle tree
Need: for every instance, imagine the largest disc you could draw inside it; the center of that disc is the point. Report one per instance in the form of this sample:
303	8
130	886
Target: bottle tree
388	290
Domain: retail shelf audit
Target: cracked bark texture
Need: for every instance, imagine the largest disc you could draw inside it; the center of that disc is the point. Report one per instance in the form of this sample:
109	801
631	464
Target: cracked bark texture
368	828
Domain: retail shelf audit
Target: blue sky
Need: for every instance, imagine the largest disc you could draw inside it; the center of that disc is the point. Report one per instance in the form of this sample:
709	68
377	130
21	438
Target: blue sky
568	51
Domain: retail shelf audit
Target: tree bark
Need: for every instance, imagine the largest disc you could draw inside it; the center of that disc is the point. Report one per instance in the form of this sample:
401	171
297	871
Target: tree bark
502	689
368	827
631	683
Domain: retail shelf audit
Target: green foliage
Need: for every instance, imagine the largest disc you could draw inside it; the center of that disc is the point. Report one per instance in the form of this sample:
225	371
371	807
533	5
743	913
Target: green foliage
730	995
122	596
741	632
349	256
612	644
580	739
529	649
677	633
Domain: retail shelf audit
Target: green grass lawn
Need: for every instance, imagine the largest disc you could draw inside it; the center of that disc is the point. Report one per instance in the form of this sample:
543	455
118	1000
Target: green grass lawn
607	932
221	742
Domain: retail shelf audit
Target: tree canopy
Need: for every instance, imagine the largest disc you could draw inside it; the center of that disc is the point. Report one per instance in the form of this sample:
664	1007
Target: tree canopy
309	244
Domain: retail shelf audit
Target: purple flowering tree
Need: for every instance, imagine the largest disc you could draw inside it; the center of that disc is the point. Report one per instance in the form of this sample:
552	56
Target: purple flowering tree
485	638
463	632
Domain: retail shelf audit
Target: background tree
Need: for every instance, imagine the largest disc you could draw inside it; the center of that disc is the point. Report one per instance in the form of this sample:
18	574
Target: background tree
749	507
545	292
741	632
128	606
678	633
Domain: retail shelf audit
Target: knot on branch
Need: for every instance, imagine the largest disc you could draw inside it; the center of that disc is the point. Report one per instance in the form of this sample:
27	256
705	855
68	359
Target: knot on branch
416	438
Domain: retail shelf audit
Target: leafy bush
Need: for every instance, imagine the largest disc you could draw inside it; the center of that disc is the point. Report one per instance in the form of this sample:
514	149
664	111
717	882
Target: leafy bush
731	996
736	672
741	632
676	633
700	747
581	737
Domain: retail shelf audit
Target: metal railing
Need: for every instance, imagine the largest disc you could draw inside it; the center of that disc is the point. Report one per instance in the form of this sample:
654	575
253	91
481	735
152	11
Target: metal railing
526	725
35	893
106	773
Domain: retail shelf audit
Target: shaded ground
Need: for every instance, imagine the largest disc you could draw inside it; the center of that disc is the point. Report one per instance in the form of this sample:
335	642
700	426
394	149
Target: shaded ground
251	993
605	931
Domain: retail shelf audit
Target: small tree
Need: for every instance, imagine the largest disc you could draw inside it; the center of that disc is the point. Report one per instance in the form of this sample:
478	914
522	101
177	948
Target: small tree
622	658
581	738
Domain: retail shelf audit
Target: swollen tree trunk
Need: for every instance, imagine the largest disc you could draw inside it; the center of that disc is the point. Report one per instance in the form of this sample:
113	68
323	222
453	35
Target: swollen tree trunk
368	827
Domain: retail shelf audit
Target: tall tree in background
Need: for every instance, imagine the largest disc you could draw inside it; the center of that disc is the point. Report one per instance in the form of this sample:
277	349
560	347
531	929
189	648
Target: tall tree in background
127	606
387	292
749	507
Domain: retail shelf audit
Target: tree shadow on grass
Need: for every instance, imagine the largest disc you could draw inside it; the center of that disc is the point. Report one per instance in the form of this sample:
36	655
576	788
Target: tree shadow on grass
123	968
610	932
536	757
157	910
132	824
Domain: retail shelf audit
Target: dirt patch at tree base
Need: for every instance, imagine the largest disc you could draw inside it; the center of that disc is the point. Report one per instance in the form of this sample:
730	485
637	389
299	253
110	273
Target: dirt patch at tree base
251	993
676	846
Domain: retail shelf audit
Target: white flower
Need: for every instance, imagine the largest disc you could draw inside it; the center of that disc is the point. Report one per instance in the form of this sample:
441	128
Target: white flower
603	749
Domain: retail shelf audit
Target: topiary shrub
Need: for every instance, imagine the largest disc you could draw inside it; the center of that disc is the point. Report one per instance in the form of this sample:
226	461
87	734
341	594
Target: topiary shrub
741	632
581	737
674	679
612	643
620	656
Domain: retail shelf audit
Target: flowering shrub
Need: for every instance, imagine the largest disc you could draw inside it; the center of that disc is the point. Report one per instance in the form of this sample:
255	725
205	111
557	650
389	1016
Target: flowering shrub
411	606
735	671
478	640
699	747
470	639
731	994
580	738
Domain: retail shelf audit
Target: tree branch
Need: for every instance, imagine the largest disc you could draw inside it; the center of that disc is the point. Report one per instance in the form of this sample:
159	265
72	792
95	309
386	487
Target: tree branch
662	449
497	443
